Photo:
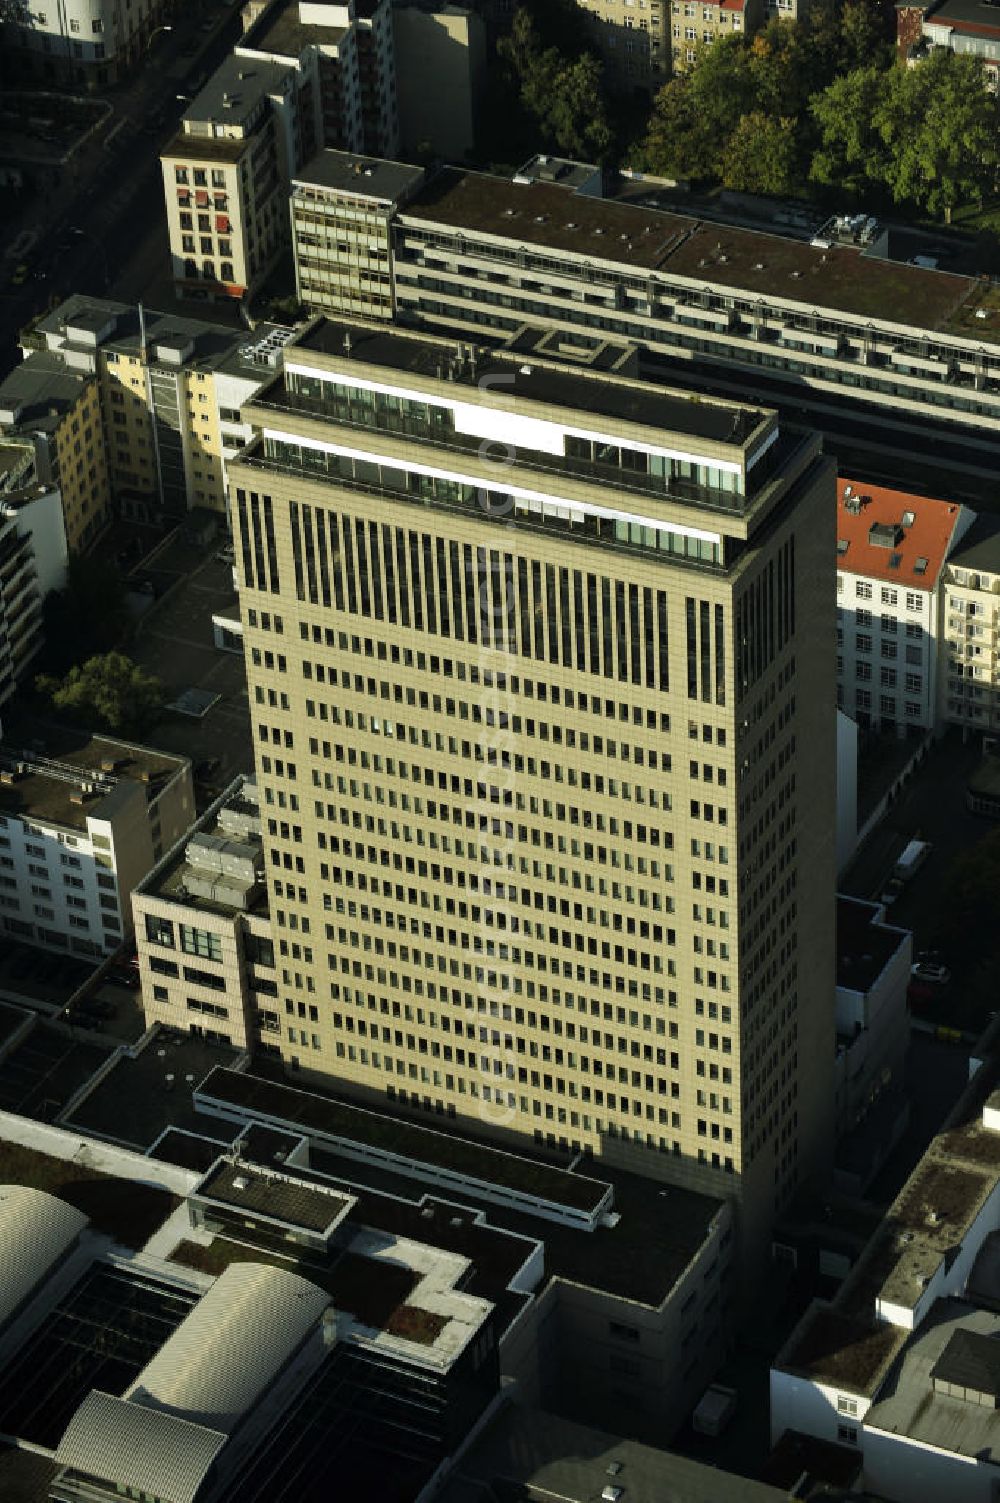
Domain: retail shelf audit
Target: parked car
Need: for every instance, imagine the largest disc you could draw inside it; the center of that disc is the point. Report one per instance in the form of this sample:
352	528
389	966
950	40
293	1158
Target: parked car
124	976
19	275
935	975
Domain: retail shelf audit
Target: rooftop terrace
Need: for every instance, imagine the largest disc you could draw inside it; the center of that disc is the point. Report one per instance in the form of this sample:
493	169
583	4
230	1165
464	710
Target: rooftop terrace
49	786
754	262
280	33
529	1178
619	398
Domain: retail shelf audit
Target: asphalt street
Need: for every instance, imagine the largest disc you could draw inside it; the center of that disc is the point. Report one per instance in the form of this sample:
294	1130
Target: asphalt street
93	214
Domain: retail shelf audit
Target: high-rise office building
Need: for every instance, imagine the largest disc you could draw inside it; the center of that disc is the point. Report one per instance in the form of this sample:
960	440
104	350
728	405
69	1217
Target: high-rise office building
541	668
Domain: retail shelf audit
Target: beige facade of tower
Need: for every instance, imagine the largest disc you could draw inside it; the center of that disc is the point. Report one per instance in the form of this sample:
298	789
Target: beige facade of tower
541	667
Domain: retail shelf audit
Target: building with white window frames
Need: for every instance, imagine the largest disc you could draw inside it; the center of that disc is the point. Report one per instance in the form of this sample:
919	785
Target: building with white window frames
891	549
89	42
80	824
970	675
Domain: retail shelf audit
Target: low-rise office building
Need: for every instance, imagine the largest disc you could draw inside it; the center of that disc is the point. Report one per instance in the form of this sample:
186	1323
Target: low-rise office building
341	189
203	932
55	408
611	1299
81	823
918	347
873	1032
891	550
169	390
898	1367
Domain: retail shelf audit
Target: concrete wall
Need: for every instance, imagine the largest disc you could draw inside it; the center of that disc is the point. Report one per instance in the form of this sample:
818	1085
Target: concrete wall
847	789
898	1468
440	62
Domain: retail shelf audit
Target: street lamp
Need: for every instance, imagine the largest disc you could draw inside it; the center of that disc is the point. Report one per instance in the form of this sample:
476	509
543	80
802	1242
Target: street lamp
154	34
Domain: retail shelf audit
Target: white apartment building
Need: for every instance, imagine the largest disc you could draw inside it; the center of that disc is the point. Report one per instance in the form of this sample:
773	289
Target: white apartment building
891	549
89	42
970	676
303	76
81	822
32	562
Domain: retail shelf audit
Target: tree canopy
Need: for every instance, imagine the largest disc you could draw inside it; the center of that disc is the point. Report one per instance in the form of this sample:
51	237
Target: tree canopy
560	84
819	104
110	691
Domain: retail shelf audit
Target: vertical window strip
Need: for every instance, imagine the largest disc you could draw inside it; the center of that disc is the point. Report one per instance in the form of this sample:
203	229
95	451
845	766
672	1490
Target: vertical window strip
430	584
663	639
441	553
621	631
244	528
455	561
565	619
648	638
348	550
524	606
552	613
375	563
272	547
309	549
607	629
579	621
321	552
336	559
469	592
705	646
258	541
720	655
635	635
692	648
415	598
538	609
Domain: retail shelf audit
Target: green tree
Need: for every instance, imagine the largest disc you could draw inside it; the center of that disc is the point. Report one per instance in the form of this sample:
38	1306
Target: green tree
940	124
694	115
850	153
110	690
562	91
865	40
761	155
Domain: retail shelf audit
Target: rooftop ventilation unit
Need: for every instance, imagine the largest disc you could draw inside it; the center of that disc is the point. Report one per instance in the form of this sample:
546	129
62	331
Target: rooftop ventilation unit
909	518
241	1182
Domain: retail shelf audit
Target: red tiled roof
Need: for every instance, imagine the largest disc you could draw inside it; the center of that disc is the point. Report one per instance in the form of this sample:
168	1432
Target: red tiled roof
928	537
